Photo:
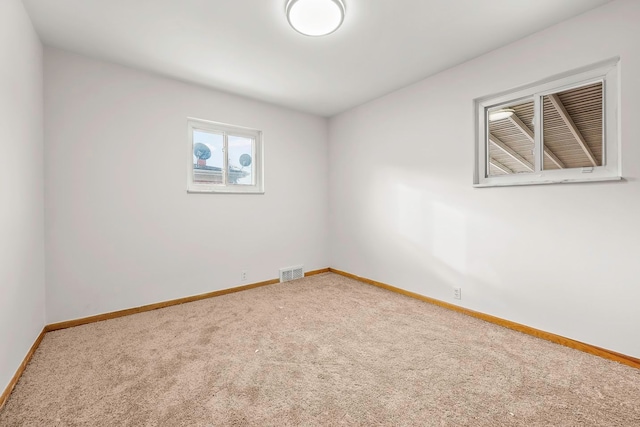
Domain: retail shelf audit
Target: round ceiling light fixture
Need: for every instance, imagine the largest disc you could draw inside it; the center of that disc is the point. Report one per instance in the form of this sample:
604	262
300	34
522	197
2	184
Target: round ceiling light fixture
315	17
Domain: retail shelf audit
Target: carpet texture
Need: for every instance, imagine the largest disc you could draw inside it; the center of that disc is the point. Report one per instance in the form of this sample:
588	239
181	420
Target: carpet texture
324	350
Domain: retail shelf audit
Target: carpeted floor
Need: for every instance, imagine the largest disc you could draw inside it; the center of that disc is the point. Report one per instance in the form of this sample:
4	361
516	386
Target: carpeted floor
324	350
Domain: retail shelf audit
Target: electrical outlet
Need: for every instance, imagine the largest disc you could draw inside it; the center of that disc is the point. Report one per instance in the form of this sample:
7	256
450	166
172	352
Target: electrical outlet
457	293
243	276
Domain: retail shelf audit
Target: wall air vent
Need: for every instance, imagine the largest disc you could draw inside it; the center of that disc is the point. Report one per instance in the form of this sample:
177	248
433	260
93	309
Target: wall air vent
291	273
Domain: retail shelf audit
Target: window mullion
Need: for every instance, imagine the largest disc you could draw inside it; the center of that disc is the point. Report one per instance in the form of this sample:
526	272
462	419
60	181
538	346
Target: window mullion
225	159
538	143
253	164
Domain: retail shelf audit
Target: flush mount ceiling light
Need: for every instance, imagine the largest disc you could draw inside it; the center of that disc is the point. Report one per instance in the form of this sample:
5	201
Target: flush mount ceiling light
315	17
503	113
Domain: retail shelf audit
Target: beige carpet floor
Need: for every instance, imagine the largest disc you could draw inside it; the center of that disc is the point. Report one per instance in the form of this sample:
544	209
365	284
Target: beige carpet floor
324	350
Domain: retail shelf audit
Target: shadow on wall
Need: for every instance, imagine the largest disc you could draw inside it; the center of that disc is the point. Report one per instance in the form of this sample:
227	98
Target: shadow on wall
436	227
423	234
458	249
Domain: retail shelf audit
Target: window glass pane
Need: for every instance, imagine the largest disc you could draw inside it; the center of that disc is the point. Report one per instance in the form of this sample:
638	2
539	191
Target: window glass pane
510	139
208	157
572	127
241	156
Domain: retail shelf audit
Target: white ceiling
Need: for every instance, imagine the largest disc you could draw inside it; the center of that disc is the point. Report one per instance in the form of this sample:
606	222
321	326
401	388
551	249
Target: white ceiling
247	47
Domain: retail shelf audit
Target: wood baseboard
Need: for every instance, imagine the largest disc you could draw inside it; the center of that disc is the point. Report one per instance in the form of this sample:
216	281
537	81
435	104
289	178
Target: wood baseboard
567	342
314	272
106	316
135	310
5	394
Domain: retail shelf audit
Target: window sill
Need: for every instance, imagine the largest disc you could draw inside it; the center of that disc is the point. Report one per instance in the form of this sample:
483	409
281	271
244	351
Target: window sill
225	191
549	181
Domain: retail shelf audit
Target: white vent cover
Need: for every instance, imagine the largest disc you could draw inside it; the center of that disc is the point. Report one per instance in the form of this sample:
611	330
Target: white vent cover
291	273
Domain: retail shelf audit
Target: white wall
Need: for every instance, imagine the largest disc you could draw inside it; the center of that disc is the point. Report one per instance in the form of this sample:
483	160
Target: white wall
562	258
121	230
22	293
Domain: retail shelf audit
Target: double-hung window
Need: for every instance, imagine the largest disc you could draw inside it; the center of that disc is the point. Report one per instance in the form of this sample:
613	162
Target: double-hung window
563	129
224	158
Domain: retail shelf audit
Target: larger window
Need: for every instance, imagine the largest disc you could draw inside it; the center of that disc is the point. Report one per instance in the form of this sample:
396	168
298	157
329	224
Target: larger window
564	129
224	158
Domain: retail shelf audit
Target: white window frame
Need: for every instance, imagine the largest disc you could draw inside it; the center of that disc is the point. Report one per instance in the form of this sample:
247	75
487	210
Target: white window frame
226	130
608	72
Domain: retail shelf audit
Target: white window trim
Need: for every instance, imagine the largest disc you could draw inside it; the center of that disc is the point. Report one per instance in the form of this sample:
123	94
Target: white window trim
258	158
609	73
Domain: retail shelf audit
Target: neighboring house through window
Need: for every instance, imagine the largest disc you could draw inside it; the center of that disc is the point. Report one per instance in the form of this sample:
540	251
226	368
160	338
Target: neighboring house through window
224	158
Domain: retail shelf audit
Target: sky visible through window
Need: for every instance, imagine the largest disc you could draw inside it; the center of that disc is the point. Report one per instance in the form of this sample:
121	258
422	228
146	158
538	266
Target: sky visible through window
237	147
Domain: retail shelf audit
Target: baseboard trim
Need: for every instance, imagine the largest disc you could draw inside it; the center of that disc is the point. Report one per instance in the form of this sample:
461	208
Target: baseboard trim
112	315
7	392
567	342
156	306
314	272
